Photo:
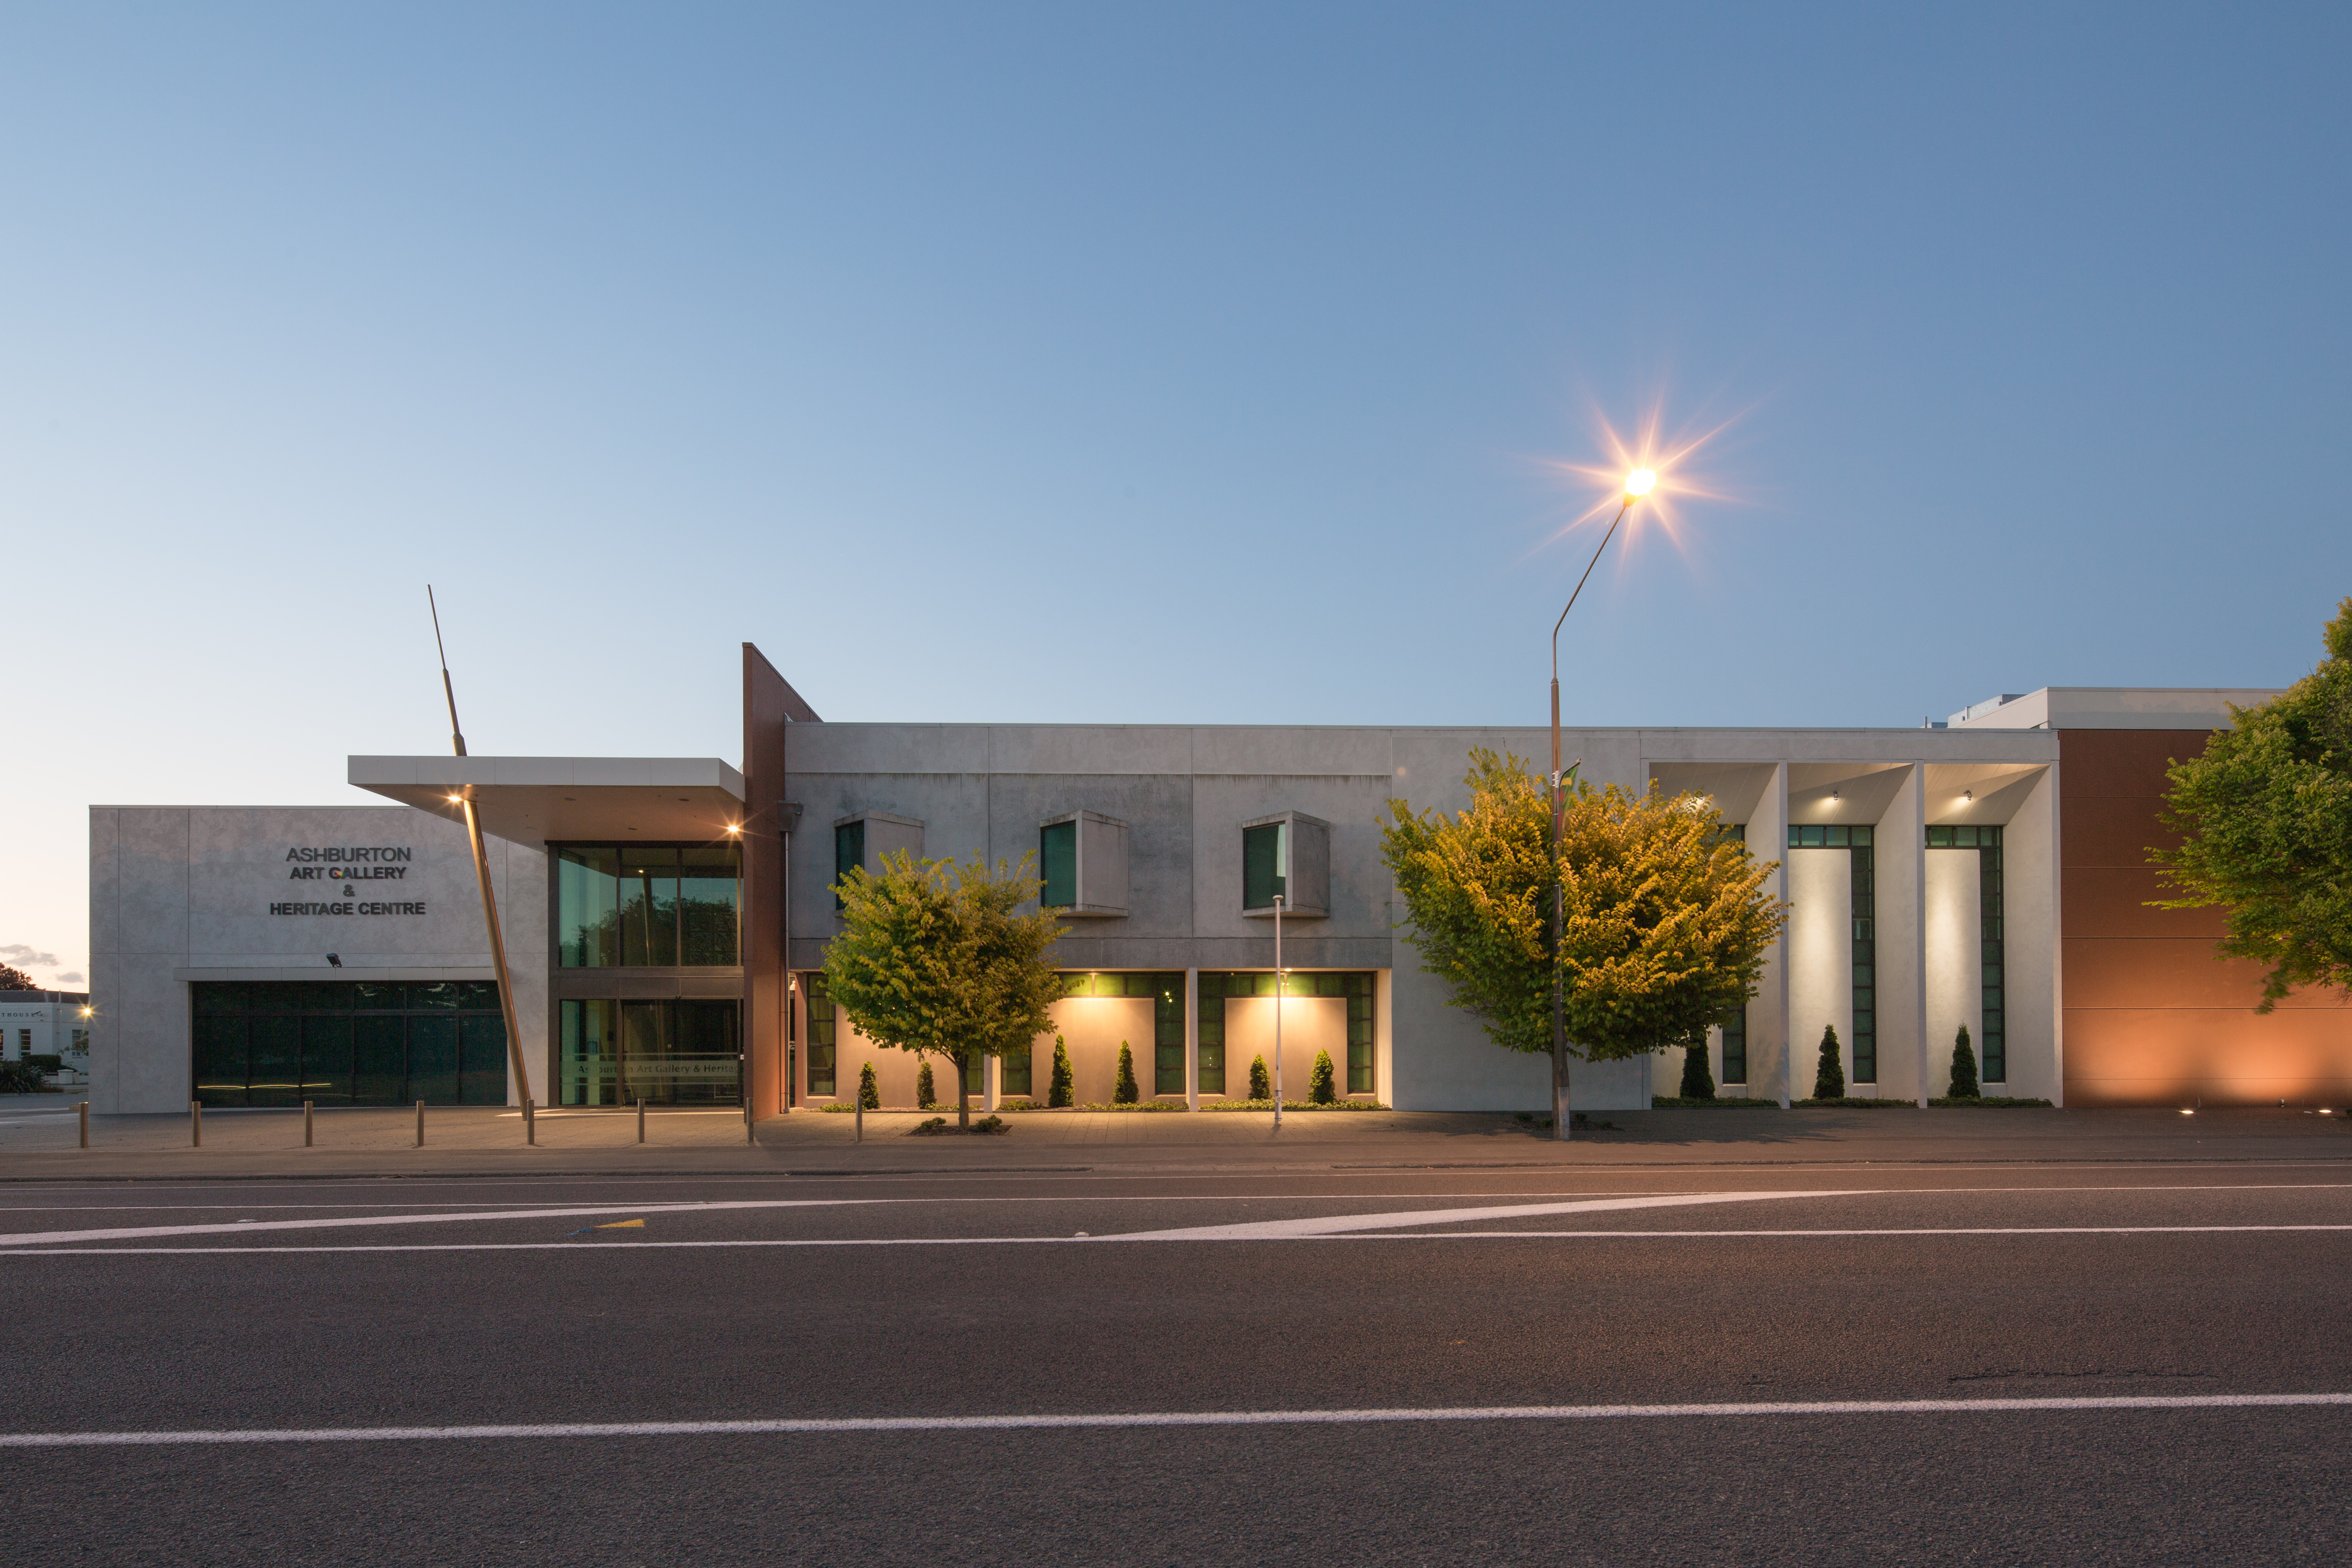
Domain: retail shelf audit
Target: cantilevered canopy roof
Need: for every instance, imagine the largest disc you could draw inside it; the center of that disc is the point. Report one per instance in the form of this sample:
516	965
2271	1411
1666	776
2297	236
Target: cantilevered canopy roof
534	800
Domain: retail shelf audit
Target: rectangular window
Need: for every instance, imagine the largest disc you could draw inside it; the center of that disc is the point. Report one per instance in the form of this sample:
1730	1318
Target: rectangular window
649	907
1168	1035
587	907
659	906
1992	1046
1209	1045
1357	988
1735	1046
1057	864
1013	1074
678	1052
1865	959
710	894
820	1036
335	1042
849	855
1265	868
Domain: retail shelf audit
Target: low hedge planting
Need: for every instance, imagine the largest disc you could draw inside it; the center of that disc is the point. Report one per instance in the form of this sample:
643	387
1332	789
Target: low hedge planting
1990	1102
1728	1101
1295	1105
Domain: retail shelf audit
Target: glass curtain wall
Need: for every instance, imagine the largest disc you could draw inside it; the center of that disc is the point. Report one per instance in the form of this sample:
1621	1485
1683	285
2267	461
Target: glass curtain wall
655	906
671	1052
1356	987
348	1043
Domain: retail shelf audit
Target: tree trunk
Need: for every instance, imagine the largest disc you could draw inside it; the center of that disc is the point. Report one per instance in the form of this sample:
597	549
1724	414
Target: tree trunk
964	1095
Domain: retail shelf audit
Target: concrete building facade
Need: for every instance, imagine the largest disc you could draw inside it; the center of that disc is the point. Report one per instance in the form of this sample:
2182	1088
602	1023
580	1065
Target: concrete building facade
666	920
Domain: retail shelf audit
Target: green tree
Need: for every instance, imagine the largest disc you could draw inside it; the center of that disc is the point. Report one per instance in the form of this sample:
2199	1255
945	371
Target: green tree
1126	1092
869	1094
1964	1067
2265	823
927	1091
937	958
1666	917
1828	1073
1261	1080
15	979
1058	1091
1322	1080
1698	1078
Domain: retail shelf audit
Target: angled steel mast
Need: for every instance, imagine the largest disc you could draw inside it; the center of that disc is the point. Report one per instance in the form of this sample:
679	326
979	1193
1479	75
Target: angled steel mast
465	799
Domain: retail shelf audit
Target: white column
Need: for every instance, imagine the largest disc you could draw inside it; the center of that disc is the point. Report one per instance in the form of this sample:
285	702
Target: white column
990	1071
1191	1039
1778	848
1913	810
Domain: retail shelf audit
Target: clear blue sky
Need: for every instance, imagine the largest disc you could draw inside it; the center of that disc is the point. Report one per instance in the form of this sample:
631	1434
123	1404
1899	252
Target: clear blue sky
1146	363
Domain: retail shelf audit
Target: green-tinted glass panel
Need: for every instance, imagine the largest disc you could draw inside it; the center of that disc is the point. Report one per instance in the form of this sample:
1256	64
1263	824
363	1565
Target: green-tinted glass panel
1262	877
1057	864
1735	1046
478	995
482	1059
330	996
380	1059
327	1060
848	853
437	995
709	900
821	1023
220	1060
1861	837
276	996
214	999
649	906
433	1059
381	996
589	1055
1014	1074
588	906
275	1063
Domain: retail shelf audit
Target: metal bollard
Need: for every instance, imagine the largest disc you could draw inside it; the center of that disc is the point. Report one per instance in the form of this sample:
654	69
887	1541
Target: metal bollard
641	1119
420	1124
196	1124
85	1123
861	1116
530	1127
306	1124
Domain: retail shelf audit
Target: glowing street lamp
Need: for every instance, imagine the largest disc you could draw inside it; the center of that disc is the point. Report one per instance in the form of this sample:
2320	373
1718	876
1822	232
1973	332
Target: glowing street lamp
1638	484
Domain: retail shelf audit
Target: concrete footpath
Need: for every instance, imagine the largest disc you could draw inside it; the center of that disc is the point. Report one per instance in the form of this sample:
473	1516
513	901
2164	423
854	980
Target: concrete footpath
38	1142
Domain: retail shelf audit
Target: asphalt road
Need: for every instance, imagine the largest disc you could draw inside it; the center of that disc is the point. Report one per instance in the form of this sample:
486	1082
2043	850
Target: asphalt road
335	1309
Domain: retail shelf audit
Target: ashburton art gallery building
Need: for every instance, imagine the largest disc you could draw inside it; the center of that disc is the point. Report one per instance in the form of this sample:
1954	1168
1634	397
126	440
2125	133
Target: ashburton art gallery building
665	919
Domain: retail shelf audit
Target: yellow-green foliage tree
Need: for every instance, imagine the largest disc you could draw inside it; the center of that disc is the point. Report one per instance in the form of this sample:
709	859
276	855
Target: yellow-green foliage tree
2265	820
935	957
1666	923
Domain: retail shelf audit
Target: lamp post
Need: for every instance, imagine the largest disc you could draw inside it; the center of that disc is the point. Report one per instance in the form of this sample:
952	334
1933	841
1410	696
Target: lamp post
1637	485
1278	1012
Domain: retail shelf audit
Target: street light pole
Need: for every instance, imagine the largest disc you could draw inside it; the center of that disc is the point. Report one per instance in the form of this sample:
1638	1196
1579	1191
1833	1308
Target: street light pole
1637	485
1278	1012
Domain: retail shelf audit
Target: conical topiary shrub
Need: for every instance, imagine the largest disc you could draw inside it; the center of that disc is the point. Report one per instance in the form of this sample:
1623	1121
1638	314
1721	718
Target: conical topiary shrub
1829	1078
1057	1092
1125	1092
1698	1082
1322	1083
1964	1068
869	1095
1261	1082
925	1093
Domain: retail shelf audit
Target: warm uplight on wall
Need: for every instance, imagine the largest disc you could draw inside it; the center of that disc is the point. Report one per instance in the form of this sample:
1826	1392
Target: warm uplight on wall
1834	795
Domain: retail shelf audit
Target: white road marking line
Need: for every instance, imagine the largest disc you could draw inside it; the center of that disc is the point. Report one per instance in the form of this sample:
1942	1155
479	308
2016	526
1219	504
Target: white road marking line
1172	1235
247	1227
1335	1225
815	1427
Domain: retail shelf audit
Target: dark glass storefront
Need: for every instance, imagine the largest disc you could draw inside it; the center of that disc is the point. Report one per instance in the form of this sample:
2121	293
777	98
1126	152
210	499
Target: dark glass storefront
348	1043
674	1051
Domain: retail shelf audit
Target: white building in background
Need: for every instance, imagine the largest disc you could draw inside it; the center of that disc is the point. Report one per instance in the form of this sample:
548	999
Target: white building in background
46	1023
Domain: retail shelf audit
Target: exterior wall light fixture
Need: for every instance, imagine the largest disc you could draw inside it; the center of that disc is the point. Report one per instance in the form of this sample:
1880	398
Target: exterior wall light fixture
1968	795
